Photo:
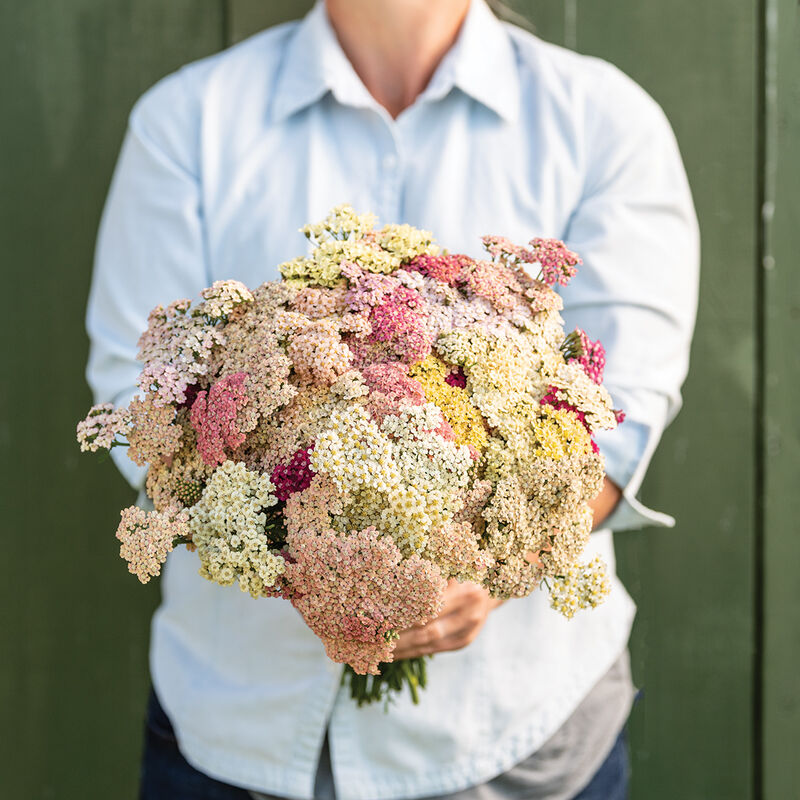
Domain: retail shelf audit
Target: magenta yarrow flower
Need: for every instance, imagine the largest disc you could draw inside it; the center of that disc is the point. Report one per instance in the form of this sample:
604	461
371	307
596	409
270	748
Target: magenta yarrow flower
190	395
457	378
293	477
592	356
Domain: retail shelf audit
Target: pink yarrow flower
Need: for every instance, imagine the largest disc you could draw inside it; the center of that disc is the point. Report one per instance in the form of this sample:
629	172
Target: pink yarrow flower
164	382
558	263
101	427
400	321
502	249
390	388
355	590
590	355
445	268
214	417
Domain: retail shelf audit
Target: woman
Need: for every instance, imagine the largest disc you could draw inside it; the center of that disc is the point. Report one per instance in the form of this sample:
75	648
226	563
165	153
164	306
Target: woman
430	112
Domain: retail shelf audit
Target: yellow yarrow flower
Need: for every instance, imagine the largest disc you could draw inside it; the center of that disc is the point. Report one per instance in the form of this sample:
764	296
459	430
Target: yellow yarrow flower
560	433
456	407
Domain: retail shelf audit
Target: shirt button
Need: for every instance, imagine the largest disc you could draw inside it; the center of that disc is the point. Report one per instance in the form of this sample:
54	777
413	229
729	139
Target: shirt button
389	161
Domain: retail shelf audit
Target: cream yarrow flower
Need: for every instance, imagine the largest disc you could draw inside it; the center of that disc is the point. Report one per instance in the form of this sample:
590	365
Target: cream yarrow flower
405	242
579	390
581	586
342	223
222	297
228	527
146	538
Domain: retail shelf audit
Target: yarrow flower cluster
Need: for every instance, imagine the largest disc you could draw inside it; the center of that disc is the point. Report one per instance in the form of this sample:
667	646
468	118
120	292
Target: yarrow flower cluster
557	264
147	537
229	529
356	590
579	588
101	426
384	419
590	355
223	297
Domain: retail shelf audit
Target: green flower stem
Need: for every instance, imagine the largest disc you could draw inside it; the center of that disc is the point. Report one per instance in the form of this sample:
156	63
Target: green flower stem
394	675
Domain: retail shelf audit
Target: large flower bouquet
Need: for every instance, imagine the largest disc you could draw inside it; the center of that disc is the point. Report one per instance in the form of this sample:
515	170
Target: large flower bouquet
385	418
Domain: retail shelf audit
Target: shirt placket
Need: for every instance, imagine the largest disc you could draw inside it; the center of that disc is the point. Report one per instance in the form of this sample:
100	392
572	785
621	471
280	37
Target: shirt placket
389	175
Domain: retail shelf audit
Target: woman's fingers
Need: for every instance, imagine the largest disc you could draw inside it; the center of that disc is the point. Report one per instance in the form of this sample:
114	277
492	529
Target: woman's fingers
465	611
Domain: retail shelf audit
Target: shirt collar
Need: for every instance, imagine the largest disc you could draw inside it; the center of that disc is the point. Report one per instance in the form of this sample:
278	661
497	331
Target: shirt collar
481	63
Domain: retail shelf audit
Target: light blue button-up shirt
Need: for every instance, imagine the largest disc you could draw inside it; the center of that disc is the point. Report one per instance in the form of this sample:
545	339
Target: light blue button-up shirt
222	163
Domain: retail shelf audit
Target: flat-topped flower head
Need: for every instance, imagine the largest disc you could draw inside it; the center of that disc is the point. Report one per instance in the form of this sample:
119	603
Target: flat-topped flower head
406	242
444	268
294	476
229	530
581	586
355	590
215	417
222	298
341	223
153	434
165	382
101	427
558	263
146	538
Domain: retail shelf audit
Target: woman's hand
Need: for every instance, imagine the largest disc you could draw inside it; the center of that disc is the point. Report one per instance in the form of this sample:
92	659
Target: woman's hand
466	607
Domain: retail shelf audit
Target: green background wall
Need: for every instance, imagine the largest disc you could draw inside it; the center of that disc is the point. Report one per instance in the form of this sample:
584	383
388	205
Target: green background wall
717	638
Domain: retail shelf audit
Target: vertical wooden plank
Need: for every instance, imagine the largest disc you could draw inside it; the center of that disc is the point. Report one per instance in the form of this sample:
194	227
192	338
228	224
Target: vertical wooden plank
547	18
781	421
693	640
246	17
74	623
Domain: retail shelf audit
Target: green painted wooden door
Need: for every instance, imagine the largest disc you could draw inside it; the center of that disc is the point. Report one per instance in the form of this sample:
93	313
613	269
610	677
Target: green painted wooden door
717	638
73	653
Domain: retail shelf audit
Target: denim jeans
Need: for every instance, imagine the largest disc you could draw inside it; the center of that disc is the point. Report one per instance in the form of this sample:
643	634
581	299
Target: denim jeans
166	775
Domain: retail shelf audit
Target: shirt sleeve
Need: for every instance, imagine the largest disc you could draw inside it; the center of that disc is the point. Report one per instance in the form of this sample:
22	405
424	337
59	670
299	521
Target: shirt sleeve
150	248
635	228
